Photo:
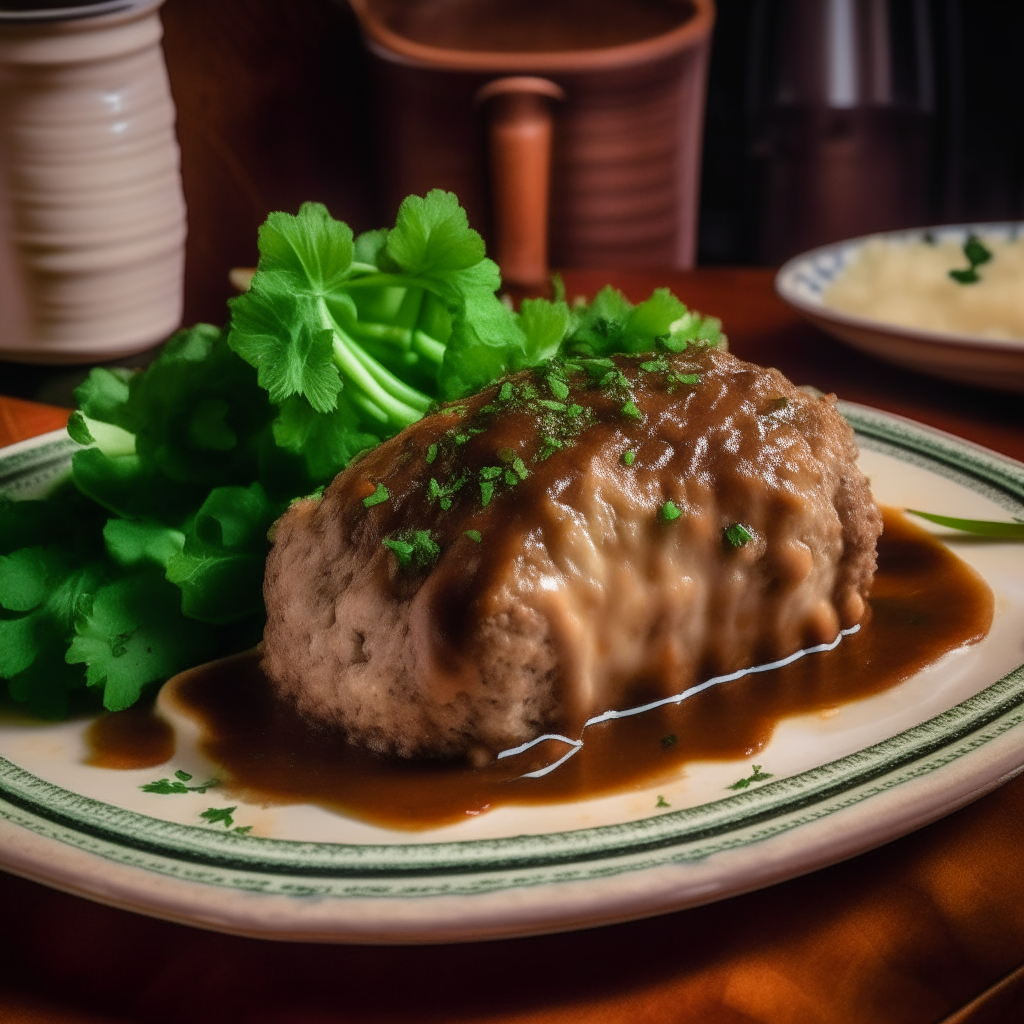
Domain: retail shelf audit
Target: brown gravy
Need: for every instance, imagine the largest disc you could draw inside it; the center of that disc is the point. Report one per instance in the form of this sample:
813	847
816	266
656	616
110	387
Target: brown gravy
136	738
925	602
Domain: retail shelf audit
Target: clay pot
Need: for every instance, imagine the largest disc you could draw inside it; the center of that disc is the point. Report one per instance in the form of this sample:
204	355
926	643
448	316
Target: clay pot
578	121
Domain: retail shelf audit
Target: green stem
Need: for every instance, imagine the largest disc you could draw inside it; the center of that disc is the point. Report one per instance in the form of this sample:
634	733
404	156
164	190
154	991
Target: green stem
401	404
362	268
393	280
390	383
397	336
428	347
347	361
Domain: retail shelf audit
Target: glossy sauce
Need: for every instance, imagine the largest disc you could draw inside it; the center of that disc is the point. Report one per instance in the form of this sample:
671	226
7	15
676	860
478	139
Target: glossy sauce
925	603
136	738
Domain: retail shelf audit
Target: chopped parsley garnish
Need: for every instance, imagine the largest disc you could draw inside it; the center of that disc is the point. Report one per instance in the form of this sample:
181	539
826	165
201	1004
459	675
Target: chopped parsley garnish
976	254
219	815
474	535
685	378
442	493
574	410
486	491
662	802
431	454
177	785
628	458
558	387
490	472
597	367
756	776
550	446
520	468
548	403
461	438
414	548
511	478
630	410
614	379
380	495
737	535
669	741
506	392
670	512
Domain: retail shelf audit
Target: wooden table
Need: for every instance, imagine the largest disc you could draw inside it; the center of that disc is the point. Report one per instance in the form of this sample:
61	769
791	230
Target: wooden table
929	928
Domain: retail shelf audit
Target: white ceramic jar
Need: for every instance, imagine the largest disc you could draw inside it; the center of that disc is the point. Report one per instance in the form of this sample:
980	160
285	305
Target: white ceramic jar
92	216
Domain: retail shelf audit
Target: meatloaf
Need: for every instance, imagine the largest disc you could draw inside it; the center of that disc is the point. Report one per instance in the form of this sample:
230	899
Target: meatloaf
588	536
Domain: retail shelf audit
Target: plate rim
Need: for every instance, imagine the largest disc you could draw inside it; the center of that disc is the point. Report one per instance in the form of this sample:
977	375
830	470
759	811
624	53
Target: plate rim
785	284
474	866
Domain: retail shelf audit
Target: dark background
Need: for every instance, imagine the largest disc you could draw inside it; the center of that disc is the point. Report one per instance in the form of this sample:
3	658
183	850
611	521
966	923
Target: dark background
275	107
974	133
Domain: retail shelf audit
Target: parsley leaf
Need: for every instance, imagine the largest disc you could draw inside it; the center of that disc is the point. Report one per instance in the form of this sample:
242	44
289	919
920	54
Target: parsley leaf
736	535
131	632
379	496
219	815
976	254
414	549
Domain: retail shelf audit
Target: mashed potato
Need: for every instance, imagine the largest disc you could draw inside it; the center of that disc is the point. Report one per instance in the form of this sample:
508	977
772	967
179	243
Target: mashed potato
907	282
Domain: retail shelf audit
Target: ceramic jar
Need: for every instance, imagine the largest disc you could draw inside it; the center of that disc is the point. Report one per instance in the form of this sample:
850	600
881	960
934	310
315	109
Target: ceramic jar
92	215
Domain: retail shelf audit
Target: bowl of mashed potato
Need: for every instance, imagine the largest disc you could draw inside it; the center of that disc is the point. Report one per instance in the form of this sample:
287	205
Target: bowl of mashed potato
945	300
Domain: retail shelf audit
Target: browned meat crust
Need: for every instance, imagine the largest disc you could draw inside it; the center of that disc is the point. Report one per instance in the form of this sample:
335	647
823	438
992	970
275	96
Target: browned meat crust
583	593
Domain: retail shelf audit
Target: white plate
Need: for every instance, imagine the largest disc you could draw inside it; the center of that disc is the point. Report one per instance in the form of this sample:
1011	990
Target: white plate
842	782
963	357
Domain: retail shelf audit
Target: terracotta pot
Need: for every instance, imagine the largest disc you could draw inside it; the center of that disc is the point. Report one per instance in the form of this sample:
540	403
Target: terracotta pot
582	120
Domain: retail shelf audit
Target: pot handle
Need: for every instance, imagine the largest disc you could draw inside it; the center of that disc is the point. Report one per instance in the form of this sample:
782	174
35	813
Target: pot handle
519	129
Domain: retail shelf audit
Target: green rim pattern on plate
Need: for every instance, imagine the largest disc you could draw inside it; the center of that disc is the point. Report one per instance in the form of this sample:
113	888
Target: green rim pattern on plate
287	867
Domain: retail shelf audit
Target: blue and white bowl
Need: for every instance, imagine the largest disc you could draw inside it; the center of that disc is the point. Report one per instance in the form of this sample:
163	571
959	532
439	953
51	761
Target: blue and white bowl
969	358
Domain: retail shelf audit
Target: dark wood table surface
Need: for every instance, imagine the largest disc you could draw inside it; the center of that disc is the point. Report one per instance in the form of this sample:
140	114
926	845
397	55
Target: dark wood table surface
929	928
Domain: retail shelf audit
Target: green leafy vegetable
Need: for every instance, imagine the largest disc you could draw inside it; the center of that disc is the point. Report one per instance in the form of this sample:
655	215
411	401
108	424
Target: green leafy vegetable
219	569
131	632
149	558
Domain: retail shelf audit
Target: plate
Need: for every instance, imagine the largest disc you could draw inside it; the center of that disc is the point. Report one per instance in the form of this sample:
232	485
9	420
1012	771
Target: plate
842	782
968	358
